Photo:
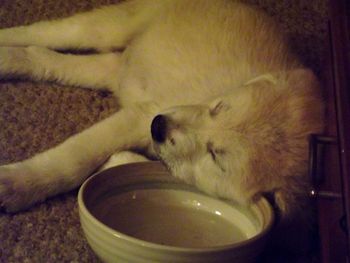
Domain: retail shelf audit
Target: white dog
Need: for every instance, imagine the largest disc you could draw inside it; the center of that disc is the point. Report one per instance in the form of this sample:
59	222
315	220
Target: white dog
207	86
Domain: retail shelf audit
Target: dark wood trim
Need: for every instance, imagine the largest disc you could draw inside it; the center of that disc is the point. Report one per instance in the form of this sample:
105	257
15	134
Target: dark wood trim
340	36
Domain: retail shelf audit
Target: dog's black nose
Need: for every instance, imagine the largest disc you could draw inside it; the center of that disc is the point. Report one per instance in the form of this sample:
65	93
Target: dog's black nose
158	128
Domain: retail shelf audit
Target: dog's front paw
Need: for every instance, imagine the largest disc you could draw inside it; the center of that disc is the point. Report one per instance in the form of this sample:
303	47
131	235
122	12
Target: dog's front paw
18	189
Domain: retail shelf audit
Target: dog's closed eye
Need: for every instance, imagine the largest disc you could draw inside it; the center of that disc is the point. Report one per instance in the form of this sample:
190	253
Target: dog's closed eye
218	107
214	153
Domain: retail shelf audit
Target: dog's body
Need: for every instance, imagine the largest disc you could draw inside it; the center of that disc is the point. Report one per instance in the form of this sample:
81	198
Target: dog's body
236	105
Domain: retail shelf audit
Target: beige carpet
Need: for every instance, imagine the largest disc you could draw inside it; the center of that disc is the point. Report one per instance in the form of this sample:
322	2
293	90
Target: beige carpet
37	116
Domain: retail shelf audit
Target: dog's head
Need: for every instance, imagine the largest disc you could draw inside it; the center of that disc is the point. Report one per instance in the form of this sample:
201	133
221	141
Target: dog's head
197	145
243	143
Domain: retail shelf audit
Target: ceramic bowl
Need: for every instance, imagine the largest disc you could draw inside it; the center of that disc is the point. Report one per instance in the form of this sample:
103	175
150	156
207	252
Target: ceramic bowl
140	213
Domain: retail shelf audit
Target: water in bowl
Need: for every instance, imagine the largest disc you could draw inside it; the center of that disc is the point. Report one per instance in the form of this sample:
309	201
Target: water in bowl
164	217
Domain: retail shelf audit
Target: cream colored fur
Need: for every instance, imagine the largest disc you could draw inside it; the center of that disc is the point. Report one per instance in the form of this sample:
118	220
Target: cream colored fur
239	105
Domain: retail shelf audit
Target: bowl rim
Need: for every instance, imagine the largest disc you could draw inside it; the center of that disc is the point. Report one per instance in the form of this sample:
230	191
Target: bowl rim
146	244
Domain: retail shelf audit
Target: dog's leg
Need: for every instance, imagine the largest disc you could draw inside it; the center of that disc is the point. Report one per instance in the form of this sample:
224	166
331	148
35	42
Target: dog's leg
65	166
94	71
103	29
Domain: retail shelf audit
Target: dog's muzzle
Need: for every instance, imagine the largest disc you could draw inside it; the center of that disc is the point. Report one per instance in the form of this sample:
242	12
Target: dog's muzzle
159	128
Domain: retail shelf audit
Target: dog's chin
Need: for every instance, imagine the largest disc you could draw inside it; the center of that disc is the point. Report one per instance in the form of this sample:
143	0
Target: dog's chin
156	148
168	166
176	166
165	162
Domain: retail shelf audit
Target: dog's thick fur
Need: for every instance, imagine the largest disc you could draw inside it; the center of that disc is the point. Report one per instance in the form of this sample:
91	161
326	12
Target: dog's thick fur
236	105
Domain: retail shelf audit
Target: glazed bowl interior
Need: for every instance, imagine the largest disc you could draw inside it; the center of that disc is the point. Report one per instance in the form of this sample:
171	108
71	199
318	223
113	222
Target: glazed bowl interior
145	213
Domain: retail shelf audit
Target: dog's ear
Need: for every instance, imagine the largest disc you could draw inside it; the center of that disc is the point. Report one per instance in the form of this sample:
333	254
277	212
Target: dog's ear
302	78
267	79
305	95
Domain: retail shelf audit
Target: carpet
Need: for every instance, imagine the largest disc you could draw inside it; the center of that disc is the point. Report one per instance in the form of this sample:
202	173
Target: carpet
36	116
